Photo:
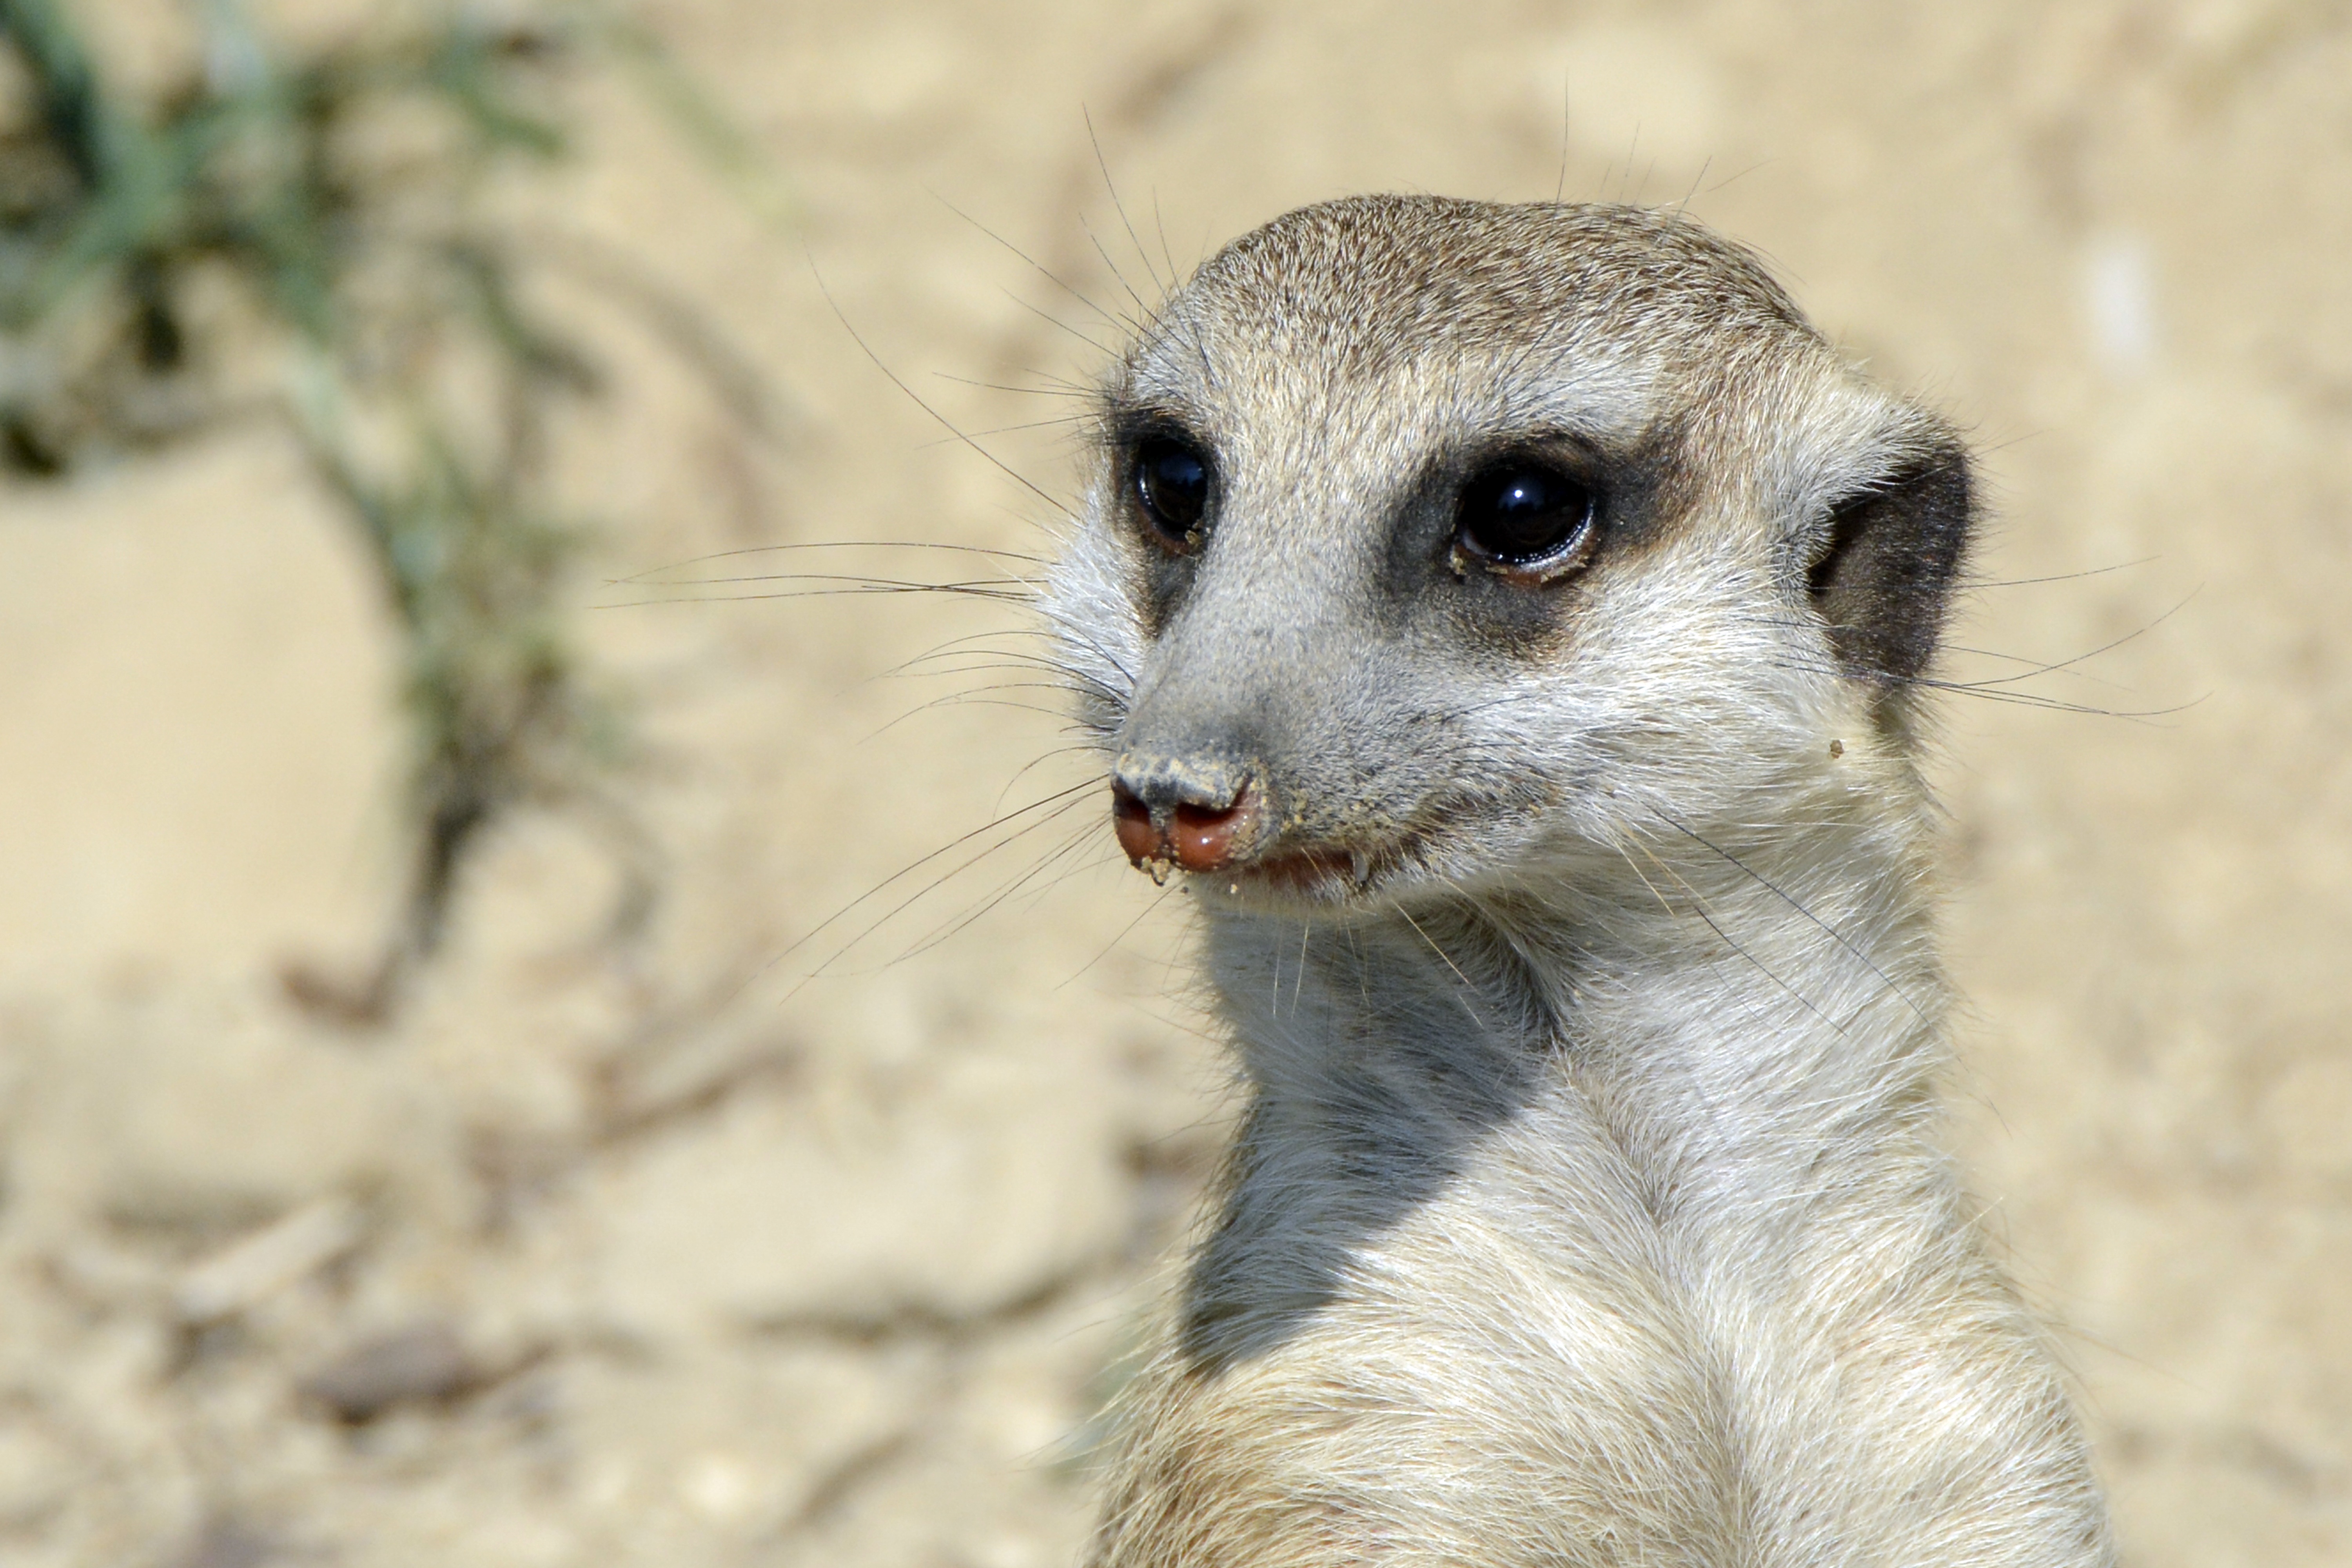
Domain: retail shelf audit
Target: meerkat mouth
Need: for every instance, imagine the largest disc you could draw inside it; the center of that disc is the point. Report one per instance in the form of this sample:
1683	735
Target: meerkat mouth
1317	876
1330	875
1332	878
1327	874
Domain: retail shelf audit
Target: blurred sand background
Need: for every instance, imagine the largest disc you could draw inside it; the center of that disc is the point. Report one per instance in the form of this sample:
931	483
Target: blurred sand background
648	1253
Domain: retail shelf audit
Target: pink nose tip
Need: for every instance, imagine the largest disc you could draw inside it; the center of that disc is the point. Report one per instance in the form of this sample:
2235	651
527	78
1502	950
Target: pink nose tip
1197	837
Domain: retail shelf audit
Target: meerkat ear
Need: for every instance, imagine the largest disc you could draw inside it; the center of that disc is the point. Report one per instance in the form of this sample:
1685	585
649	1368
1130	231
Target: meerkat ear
1887	558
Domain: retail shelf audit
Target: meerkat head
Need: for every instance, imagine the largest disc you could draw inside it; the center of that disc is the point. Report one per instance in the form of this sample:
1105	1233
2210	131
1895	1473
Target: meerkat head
1430	539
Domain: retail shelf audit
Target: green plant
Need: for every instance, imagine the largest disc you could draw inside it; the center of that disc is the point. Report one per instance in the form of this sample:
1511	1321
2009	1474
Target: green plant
309	238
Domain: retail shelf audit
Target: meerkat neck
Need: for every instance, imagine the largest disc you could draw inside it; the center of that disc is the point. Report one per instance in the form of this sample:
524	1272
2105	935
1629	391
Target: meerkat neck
1788	977
1738	1036
1636	1162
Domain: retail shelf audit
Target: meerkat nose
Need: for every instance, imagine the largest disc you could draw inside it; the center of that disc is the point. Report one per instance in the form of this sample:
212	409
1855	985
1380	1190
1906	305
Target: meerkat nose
1204	837
1195	835
1132	820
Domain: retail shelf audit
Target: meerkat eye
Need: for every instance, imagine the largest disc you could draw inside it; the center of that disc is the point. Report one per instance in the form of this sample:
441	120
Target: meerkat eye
1171	484
1519	516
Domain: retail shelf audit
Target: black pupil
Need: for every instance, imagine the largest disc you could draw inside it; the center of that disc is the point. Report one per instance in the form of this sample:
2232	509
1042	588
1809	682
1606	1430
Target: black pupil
1522	513
1171	480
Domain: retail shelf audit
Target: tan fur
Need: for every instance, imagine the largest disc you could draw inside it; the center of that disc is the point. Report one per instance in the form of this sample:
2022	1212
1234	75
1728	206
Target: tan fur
1589	1207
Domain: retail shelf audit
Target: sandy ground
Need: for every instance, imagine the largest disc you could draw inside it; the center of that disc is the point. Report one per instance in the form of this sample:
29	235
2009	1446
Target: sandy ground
667	1253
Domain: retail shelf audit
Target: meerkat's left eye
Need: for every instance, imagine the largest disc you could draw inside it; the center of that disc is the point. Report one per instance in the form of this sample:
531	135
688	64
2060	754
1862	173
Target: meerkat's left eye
1524	518
1172	485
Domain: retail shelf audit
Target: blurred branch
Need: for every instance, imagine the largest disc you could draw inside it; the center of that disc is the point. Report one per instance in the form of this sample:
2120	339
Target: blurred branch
294	180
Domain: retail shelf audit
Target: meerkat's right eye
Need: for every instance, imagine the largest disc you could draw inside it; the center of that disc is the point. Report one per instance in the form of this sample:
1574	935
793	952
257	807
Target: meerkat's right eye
1525	519
1172	485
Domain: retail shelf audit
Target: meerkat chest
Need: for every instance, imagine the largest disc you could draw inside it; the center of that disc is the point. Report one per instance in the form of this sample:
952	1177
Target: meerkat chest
1473	1292
1500	1349
1484	1344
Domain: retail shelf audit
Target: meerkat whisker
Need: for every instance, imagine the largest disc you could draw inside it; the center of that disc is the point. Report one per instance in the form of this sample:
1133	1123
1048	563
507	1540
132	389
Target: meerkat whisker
2061	576
1111	189
949	425
1698	905
832	963
656	574
1069	848
1151	907
1063	327
1060	422
843	588
2104	648
1059	799
1048	386
1056	279
1828	930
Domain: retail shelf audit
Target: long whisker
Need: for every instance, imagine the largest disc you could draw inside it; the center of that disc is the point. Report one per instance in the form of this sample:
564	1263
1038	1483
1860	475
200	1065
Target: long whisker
850	588
2104	648
693	561
1109	317
950	929
1063	625
1698	908
1082	747
1062	796
830	965
912	396
1049	385
1054	321
1995	694
1063	421
973	699
1774	888
1015	587
1158	898
1144	312
1120	207
2059	577
1469	990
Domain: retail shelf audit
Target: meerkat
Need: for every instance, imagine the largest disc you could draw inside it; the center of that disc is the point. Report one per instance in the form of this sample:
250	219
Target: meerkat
1510	622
